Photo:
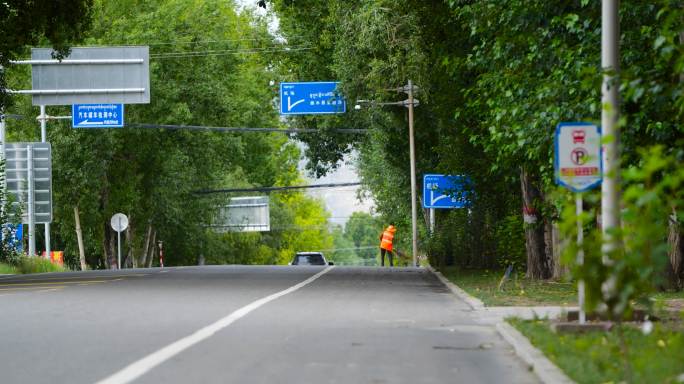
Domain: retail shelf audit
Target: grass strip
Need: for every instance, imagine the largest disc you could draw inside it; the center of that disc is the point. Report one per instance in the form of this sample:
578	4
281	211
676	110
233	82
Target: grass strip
7	269
516	291
598	358
27	265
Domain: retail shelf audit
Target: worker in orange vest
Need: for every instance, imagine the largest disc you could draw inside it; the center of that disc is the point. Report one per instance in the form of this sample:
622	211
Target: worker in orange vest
386	244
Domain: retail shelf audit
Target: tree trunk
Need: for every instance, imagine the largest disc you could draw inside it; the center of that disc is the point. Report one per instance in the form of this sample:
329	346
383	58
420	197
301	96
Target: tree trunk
79	238
146	247
106	247
537	267
560	271
112	246
130	256
675	251
150	257
548	246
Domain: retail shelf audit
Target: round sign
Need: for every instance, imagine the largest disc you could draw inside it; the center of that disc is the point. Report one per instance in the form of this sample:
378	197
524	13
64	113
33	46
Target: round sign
119	222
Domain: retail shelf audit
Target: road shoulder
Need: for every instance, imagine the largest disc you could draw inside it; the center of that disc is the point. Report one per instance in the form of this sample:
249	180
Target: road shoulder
546	370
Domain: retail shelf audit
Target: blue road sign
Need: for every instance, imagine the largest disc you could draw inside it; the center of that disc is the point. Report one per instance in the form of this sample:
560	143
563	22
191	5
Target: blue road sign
314	98
97	115
15	235
444	191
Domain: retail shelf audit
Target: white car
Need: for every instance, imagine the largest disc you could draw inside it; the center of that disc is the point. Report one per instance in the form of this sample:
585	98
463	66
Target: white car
310	258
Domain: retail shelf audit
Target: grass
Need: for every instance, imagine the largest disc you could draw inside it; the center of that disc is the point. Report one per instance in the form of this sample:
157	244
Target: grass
7	269
31	265
598	358
518	291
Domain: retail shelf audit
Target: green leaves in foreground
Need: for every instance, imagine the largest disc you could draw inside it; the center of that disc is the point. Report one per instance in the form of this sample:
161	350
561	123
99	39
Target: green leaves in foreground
652	198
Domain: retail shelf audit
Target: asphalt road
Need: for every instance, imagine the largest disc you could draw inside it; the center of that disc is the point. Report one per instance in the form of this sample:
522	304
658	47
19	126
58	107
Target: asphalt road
246	324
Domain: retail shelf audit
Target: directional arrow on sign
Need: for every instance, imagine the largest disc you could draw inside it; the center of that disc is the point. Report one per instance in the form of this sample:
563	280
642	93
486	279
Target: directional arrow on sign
85	122
290	106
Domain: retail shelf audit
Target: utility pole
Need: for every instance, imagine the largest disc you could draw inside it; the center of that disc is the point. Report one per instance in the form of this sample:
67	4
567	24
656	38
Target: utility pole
412	155
610	112
408	103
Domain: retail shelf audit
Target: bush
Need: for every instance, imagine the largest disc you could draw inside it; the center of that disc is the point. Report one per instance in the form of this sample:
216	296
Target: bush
37	265
633	269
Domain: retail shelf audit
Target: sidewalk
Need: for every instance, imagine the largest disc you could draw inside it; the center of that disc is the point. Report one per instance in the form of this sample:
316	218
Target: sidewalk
495	316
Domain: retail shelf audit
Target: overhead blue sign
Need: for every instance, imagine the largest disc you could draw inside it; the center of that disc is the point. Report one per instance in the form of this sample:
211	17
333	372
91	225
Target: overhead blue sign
97	115
314	98
445	191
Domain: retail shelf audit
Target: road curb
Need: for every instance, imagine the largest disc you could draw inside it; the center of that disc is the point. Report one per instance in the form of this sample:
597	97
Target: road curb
473	302
546	370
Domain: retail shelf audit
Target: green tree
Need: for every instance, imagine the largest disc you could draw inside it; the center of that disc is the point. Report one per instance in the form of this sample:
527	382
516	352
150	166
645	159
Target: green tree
363	230
25	23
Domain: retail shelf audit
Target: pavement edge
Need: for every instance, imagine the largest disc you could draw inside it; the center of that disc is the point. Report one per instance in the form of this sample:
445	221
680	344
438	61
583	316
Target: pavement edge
473	302
545	370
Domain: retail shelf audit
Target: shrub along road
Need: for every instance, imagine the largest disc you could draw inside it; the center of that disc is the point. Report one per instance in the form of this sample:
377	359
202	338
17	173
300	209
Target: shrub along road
246	324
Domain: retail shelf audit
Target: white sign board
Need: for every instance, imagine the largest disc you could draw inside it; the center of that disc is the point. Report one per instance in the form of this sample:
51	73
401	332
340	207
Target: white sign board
578	156
17	178
91	75
119	222
244	214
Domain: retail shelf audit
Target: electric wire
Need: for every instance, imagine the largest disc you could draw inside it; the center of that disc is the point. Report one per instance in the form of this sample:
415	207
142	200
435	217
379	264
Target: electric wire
243	129
174	55
273	189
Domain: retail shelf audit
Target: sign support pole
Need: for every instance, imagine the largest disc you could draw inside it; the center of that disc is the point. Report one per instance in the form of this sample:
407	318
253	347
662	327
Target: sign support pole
43	139
2	132
31	207
432	221
118	243
580	256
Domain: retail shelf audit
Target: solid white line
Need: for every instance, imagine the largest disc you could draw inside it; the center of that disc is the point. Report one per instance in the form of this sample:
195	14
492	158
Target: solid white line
144	365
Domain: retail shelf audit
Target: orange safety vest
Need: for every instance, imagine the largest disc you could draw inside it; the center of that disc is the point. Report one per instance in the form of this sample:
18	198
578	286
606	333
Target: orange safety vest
387	237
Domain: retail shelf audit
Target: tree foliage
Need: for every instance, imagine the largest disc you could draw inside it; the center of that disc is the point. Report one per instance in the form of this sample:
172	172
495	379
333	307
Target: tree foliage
206	69
496	77
25	23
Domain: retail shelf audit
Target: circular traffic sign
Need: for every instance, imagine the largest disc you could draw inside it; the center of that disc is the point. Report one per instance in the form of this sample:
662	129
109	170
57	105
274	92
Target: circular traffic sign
119	222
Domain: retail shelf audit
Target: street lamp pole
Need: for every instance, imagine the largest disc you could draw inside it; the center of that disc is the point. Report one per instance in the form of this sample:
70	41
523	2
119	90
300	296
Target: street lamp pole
412	154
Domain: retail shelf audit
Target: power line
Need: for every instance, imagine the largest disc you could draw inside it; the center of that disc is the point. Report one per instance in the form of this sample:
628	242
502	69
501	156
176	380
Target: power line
173	55
243	129
195	42
273	189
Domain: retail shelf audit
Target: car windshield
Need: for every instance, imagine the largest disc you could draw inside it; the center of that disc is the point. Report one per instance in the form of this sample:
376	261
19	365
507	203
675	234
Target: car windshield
308	260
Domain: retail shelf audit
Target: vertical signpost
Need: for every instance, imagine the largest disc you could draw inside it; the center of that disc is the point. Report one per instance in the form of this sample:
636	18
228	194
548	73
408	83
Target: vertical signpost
578	167
119	223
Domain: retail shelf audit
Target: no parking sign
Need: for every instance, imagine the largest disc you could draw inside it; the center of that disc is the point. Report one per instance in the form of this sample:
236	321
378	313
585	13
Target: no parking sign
578	156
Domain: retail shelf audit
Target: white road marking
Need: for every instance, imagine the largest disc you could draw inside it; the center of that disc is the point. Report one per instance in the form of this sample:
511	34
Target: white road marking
147	363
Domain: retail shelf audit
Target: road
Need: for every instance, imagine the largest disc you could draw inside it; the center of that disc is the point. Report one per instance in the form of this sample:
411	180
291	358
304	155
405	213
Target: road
246	324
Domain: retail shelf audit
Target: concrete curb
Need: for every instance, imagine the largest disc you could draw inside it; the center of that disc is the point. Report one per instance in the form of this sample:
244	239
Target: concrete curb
473	302
545	370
